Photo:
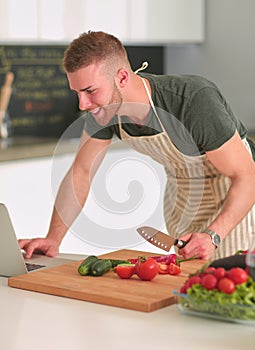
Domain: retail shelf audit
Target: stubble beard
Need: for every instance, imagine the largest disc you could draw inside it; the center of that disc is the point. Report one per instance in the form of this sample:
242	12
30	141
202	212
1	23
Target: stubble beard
112	108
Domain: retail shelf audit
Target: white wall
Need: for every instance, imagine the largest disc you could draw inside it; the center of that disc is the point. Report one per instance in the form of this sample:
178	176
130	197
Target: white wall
227	57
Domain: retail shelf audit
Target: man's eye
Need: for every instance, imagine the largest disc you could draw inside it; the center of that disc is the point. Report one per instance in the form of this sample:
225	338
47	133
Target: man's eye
91	91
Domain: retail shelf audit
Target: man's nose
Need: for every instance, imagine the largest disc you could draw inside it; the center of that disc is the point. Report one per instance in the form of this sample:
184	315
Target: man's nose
84	103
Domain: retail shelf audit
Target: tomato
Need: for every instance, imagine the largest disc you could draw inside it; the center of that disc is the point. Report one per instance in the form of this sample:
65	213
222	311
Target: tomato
174	269
125	270
237	275
184	288
209	269
194	280
219	272
146	269
209	281
162	268
226	285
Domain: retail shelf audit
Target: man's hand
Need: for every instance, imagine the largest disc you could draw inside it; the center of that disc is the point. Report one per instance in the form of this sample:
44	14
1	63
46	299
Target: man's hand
44	246
199	245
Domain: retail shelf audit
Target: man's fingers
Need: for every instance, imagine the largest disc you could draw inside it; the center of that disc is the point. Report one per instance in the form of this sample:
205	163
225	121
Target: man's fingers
23	242
30	248
38	245
29	245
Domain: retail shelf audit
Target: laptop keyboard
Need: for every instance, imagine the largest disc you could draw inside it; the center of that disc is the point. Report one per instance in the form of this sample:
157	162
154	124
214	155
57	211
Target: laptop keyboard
31	267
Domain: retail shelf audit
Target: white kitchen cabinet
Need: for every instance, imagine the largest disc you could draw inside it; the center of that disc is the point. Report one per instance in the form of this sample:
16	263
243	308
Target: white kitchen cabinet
134	22
147	21
166	21
18	20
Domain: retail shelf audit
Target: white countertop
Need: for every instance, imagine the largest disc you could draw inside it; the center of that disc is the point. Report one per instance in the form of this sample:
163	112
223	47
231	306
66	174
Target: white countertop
31	320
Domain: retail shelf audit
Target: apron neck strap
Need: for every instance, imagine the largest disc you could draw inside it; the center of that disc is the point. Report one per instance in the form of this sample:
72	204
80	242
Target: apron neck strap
143	67
152	103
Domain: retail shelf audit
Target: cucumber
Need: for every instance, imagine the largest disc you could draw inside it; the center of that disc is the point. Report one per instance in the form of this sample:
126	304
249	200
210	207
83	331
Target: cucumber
116	262
84	267
99	267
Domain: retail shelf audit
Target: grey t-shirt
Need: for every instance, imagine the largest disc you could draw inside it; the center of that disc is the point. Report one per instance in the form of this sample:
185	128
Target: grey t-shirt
192	110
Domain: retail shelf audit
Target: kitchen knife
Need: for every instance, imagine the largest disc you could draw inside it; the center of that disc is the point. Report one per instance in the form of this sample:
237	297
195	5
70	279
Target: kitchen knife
160	239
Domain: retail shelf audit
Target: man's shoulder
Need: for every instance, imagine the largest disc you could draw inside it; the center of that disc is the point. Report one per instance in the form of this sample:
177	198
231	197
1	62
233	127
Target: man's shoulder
184	83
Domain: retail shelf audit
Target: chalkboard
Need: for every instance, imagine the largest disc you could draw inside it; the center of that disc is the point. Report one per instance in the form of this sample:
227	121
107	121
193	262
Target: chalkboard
154	55
41	102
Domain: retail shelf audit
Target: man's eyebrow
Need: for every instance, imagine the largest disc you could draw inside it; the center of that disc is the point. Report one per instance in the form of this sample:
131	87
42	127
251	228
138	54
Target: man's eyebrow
86	88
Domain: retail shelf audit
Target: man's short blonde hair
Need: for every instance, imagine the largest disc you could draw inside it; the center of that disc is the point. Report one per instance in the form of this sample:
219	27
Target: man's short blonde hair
95	47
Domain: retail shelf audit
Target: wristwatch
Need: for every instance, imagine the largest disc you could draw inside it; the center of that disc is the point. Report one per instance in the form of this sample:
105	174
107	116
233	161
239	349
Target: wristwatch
216	240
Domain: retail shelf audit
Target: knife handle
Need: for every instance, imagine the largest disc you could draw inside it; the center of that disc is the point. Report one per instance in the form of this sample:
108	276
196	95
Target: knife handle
179	243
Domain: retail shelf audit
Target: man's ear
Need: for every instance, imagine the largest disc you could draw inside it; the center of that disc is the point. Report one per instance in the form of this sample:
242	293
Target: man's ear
122	77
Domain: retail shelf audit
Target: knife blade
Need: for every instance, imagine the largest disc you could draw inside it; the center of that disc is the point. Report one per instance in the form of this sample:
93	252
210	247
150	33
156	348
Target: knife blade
160	239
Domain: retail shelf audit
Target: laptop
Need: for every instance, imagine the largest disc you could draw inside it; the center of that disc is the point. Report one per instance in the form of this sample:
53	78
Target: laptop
12	261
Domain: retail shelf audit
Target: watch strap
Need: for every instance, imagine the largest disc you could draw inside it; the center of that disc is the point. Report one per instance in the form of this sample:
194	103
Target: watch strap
212	234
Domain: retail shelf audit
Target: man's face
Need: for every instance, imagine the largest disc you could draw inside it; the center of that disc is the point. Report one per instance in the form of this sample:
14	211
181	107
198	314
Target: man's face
97	92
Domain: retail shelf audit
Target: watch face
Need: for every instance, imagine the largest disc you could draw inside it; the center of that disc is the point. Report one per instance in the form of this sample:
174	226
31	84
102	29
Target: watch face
216	239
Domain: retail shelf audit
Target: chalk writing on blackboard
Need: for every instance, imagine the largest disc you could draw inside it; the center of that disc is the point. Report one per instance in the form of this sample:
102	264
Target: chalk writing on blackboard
41	103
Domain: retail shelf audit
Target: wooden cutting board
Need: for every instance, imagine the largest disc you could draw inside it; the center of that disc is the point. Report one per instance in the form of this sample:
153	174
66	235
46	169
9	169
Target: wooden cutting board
108	289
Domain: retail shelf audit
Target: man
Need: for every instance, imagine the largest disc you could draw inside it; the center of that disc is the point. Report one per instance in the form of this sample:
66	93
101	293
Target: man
211	184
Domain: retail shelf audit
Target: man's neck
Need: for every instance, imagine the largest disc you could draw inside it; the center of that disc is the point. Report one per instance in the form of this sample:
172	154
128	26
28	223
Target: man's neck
136	103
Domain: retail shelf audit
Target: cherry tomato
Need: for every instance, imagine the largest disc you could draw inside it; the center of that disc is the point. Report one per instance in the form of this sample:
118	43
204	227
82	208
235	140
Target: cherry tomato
174	269
194	280
219	272
226	285
237	275
209	269
209	281
125	271
162	268
184	288
146	269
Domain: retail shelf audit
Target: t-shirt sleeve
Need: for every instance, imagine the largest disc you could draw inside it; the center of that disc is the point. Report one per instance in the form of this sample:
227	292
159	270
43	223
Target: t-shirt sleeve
95	130
210	119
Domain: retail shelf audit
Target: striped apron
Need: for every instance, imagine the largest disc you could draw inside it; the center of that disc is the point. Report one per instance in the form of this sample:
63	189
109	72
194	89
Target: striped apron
195	190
